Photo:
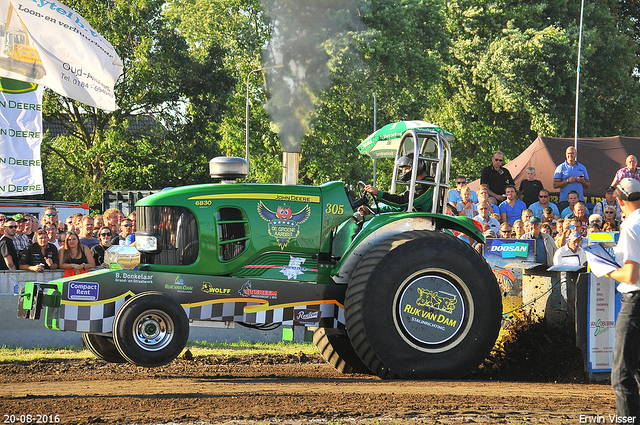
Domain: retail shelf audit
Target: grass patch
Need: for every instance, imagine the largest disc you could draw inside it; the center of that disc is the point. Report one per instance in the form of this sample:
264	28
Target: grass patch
200	348
197	348
11	354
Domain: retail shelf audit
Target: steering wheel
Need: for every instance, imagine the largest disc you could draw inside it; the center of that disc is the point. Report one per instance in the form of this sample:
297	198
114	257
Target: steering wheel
364	195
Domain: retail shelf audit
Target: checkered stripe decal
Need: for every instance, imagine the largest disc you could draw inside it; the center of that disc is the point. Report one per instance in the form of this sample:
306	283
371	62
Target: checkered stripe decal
332	314
99	318
89	318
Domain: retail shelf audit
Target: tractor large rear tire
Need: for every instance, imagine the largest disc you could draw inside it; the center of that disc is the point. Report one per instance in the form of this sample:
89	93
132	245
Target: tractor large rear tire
423	304
150	329
334	346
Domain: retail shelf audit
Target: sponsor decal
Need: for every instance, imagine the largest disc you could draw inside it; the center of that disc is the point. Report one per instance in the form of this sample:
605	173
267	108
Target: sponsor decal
207	288
307	317
283	222
601	326
429	315
133	278
84	291
431	310
510	250
248	292
294	269
434	299
179	286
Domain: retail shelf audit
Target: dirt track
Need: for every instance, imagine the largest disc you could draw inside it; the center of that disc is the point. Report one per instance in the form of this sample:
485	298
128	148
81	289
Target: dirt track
279	389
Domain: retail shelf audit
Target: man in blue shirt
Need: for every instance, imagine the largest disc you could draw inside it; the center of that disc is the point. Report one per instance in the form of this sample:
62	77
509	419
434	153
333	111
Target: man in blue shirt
454	194
511	209
543	201
570	175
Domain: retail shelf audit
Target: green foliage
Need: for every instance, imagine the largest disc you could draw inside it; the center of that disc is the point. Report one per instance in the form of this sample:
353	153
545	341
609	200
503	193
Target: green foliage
495	74
512	74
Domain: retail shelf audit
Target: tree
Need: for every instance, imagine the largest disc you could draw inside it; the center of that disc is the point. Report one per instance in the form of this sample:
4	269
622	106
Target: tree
511	76
181	96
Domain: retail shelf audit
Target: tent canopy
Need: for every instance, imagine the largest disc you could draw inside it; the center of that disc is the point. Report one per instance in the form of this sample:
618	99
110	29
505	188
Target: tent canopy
602	156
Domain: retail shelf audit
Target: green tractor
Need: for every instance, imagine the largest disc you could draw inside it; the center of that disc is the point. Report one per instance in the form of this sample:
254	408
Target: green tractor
394	294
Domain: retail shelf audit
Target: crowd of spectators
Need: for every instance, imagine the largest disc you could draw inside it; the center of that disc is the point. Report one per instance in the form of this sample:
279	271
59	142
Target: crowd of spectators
76	245
525	212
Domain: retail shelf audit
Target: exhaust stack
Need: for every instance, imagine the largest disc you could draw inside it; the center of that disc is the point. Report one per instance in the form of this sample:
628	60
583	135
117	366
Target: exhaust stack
290	163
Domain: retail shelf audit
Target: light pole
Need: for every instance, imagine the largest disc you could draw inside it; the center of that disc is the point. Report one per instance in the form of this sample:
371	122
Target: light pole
247	111
575	130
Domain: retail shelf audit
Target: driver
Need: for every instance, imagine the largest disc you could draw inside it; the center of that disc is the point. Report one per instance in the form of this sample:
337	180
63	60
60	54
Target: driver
423	198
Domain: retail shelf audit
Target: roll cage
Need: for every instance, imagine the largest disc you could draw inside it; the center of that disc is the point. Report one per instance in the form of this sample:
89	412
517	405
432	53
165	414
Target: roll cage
434	149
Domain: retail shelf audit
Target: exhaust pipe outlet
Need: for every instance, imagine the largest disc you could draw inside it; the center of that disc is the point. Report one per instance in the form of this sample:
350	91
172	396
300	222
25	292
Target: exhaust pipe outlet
290	164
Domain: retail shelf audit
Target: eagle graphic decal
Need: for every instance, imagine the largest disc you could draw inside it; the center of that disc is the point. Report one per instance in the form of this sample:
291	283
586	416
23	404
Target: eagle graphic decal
283	223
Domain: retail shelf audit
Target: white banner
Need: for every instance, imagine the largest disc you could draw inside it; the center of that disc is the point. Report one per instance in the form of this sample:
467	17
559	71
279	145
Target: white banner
20	138
48	43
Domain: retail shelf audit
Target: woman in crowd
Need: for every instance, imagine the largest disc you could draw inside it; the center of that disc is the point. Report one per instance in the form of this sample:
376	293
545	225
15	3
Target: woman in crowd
610	223
104	239
518	229
75	257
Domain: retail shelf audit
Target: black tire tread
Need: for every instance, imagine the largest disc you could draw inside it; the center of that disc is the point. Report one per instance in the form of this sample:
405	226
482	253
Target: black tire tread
334	346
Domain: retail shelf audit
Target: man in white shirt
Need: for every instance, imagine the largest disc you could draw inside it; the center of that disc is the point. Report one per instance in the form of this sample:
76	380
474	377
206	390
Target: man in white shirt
570	254
626	350
484	217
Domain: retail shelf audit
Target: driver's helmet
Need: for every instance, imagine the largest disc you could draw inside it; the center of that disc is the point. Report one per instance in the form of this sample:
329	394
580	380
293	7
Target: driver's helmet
407	161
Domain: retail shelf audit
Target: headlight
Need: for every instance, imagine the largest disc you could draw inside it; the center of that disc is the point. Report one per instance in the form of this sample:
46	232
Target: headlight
149	244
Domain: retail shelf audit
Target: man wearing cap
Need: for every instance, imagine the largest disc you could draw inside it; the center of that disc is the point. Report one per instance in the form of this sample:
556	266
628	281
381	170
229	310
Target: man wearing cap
571	254
631	171
20	240
609	200
40	255
570	175
545	245
7	247
626	350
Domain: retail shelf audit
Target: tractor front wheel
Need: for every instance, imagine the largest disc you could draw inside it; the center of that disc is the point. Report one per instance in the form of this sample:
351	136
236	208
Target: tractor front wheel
150	329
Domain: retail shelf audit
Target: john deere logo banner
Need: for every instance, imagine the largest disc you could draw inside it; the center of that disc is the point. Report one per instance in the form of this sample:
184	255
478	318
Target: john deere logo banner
20	138
283	222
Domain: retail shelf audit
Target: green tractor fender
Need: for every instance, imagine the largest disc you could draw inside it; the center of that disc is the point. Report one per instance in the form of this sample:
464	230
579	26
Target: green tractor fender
383	226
